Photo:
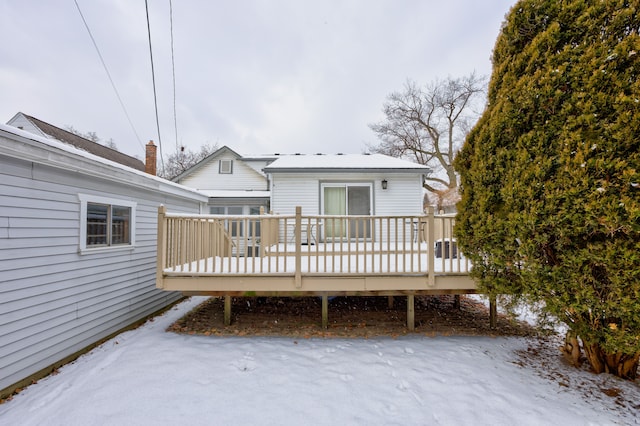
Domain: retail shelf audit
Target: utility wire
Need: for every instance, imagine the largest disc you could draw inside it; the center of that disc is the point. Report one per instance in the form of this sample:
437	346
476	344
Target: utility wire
173	70
104	65
153	78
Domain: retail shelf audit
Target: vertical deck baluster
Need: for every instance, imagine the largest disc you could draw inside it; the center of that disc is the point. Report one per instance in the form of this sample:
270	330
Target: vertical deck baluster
367	225
397	244
308	229
229	238
317	245
188	242
357	247
180	244
197	237
431	279
172	253
298	233
418	245
404	245
333	245
326	243
388	254
208	252
244	234
451	244
180	223
285	243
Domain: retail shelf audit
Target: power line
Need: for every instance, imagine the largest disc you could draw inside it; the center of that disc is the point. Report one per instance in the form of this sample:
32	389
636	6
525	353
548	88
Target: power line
153	78
113	85
173	70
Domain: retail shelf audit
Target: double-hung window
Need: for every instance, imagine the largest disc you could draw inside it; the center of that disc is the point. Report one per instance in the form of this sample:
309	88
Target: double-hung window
106	223
225	167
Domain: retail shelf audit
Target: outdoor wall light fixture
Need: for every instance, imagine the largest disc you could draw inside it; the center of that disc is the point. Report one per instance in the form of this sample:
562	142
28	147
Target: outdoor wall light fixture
384	184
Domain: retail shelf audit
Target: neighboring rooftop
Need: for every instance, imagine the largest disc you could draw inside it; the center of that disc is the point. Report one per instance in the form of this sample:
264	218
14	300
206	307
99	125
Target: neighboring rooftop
343	162
79	142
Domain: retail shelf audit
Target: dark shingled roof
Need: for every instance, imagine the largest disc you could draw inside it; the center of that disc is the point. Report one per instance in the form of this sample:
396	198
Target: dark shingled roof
86	145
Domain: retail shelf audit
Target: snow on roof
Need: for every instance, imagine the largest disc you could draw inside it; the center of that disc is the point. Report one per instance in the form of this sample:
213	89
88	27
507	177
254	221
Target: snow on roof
85	144
63	155
343	163
221	193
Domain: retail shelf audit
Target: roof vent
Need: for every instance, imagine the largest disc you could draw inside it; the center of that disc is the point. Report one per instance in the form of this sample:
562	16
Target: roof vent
297	153
340	153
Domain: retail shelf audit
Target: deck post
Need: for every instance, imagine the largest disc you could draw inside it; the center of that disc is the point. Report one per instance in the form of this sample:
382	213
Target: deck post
411	312
161	251
298	235
493	313
431	245
227	310
325	311
390	302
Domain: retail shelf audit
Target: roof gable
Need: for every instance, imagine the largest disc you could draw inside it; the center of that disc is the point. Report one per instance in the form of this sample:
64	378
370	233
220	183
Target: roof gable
224	151
205	161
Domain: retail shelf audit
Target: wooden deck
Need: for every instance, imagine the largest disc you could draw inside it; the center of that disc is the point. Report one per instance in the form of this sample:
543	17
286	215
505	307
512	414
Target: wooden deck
310	255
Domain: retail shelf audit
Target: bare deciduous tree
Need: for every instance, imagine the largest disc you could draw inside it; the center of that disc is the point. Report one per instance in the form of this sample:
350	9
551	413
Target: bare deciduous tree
93	137
183	159
428	125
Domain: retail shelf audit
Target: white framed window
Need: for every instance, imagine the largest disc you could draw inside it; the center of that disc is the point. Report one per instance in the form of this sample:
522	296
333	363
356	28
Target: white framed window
106	223
226	167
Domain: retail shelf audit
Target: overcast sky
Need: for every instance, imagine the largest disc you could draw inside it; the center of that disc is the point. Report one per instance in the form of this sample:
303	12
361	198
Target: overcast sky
258	76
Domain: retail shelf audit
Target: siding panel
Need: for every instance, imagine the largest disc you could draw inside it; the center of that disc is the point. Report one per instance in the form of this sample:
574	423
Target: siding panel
55	301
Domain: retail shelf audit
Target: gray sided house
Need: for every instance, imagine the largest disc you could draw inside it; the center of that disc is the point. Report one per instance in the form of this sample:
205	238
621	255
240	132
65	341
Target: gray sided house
235	184
77	250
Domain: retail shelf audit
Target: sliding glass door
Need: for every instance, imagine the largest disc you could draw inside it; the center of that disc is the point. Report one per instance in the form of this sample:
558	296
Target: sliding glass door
347	199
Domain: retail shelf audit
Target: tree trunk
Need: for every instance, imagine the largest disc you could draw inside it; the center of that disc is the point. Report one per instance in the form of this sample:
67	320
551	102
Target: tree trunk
571	349
622	365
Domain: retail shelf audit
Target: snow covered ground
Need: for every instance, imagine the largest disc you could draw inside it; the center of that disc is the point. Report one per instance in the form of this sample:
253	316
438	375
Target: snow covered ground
151	377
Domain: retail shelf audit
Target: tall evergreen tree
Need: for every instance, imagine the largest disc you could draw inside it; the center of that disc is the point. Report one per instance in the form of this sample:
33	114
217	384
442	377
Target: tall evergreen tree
550	175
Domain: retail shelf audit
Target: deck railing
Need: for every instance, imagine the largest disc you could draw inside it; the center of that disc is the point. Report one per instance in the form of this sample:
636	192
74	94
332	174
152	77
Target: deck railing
322	245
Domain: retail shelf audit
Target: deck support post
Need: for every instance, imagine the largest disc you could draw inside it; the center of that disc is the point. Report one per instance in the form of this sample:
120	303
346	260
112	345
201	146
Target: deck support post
390	302
325	311
227	310
456	301
411	313
493	313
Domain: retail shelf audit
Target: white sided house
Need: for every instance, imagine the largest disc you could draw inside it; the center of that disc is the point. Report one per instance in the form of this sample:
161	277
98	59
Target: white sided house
346	184
78	239
235	184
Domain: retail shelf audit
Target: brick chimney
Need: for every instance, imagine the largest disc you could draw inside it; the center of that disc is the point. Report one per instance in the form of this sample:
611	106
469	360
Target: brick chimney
150	159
